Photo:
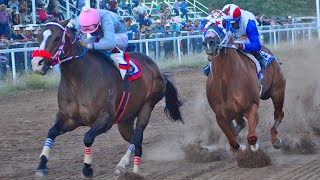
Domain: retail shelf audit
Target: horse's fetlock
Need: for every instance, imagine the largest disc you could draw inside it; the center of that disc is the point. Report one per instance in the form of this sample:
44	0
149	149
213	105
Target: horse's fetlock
252	140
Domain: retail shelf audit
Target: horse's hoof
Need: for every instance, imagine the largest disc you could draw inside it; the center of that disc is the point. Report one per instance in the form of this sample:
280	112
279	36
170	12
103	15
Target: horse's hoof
278	145
255	147
119	170
242	147
42	173
87	173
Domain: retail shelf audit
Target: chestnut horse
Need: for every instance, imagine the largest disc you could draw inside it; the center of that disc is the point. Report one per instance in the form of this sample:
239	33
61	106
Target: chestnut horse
233	90
90	91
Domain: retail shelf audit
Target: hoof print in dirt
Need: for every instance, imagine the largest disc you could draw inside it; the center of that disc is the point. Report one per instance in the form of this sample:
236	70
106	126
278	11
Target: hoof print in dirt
303	146
130	176
194	152
250	159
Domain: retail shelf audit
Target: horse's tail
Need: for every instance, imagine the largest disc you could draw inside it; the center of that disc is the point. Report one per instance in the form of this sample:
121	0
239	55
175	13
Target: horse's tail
172	100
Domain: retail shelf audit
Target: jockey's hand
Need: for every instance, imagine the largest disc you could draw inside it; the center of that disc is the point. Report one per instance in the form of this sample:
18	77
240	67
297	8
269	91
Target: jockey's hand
240	46
83	43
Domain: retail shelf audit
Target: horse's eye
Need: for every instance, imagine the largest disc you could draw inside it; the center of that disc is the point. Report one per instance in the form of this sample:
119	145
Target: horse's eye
57	39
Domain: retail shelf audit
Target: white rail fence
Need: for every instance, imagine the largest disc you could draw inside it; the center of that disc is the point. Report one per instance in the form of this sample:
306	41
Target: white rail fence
171	47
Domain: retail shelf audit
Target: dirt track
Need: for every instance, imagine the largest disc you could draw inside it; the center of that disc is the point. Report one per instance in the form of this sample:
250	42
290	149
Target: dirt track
25	120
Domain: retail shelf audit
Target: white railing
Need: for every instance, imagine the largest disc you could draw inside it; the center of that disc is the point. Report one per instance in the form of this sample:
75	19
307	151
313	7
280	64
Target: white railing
186	40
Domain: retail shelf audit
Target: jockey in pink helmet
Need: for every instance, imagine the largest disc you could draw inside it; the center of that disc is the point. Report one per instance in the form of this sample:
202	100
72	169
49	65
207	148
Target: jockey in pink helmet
243	23
108	32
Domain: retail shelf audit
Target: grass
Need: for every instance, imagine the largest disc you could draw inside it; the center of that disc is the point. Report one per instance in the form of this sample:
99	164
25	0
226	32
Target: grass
27	82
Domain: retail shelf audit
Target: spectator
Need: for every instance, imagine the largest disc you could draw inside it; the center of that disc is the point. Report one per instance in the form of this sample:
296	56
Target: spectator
132	33
13	3
175	29
43	16
183	9
57	15
141	11
4	20
23	12
15	16
258	19
39	3
28	34
158	28
104	5
176	8
135	3
15	36
168	44
113	6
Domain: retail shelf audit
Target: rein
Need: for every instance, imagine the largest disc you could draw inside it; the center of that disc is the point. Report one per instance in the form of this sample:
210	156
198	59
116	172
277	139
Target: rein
56	58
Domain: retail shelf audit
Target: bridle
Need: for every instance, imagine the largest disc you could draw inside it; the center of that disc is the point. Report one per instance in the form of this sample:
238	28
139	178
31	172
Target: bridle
55	59
222	34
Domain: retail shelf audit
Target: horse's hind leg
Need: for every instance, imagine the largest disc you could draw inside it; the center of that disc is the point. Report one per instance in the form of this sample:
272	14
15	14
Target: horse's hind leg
101	125
126	129
278	101
62	125
136	142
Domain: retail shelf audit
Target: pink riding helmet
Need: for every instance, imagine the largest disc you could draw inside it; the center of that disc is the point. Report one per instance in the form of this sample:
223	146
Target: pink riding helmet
89	20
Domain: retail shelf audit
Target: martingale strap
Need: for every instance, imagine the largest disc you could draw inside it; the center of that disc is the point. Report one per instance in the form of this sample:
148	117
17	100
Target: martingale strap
124	100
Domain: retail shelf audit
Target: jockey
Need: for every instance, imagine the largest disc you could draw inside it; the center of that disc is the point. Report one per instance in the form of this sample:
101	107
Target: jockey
107	30
243	23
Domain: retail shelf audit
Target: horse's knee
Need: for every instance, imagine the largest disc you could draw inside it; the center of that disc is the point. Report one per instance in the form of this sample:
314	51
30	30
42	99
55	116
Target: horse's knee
53	132
88	139
252	140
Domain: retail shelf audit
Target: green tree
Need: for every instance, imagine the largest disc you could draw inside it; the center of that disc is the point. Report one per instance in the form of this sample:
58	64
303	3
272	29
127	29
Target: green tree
271	7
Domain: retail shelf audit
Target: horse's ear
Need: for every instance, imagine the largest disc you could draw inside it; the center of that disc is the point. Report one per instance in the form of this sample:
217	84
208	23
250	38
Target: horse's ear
64	23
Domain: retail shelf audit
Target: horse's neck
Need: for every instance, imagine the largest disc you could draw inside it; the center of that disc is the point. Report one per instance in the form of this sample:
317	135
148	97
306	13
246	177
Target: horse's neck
73	64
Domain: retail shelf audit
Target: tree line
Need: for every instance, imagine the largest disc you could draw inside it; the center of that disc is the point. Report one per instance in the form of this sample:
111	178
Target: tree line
282	8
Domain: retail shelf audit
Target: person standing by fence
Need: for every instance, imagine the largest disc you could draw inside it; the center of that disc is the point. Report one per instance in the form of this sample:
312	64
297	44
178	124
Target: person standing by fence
132	33
141	10
4	20
3	57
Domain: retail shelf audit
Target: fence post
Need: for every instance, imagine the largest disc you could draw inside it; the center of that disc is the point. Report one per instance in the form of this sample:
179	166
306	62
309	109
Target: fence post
274	39
147	48
292	36
25	60
157	48
13	64
188	42
179	53
309	34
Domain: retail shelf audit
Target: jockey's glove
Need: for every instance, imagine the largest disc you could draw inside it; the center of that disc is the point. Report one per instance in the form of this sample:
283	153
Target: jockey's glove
240	46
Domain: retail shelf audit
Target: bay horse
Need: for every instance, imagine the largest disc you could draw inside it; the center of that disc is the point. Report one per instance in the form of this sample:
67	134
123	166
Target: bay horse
90	90
233	90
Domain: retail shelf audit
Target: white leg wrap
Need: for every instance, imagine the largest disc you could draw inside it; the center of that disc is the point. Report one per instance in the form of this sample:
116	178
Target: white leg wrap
45	151
242	147
125	160
255	147
87	156
136	165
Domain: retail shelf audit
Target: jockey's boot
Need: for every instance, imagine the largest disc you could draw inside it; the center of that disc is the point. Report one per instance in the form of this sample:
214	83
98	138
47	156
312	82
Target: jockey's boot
206	69
260	58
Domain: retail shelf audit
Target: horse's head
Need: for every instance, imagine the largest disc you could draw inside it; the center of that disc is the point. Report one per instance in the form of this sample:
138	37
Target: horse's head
214	33
51	39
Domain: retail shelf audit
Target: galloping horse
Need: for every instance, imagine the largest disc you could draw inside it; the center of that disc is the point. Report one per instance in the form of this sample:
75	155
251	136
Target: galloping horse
90	90
233	88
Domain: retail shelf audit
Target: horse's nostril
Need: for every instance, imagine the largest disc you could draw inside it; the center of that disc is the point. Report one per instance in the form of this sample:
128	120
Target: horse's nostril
41	63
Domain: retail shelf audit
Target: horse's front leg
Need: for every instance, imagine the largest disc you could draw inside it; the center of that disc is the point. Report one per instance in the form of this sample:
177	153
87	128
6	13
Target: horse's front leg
225	126
253	118
136	142
62	125
101	125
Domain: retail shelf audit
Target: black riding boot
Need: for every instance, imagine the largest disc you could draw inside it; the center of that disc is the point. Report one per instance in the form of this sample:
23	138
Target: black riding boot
261	59
206	70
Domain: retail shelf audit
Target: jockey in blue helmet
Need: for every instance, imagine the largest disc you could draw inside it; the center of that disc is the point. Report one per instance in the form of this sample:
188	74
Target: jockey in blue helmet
243	23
